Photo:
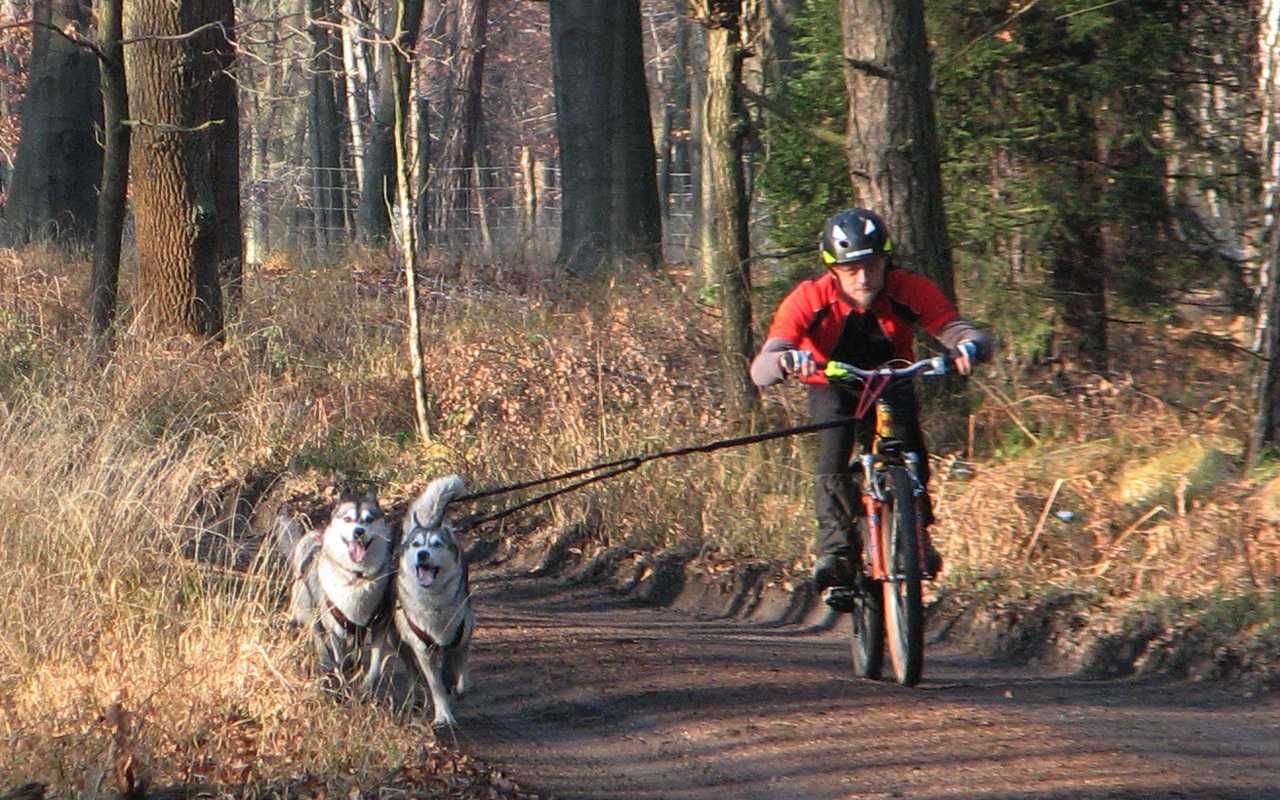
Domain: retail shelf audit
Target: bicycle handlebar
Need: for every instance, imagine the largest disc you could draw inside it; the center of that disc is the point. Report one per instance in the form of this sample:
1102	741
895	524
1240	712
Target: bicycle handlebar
840	371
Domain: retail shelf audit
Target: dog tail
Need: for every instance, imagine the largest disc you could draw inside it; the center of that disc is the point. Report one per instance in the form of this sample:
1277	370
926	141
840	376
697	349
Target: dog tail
428	510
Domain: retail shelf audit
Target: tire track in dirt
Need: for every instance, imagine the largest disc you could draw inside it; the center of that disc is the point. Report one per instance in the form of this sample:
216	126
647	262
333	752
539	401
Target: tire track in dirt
580	693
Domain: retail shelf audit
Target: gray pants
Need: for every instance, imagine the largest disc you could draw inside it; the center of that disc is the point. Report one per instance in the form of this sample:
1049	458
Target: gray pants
834	480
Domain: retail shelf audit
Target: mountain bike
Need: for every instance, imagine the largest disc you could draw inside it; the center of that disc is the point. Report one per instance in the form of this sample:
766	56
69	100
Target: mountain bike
886	603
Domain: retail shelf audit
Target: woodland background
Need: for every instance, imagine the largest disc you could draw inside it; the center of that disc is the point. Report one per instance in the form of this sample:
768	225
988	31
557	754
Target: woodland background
250	244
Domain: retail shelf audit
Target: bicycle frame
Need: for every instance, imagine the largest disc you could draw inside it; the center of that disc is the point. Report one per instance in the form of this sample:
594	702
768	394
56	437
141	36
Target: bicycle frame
885	453
892	492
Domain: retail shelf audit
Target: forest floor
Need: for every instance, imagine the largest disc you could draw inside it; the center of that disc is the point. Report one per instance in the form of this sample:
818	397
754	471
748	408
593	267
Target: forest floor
584	693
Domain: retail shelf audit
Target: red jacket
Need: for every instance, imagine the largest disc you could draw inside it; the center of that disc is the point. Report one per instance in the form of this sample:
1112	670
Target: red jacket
813	315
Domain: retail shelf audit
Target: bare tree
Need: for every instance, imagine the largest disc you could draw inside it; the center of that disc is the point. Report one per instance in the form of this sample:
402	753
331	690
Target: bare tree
1265	433
55	180
610	202
175	160
457	161
115	170
326	125
378	190
725	240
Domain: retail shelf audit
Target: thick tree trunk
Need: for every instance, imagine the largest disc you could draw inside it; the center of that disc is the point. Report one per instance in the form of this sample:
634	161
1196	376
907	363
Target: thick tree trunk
171	100
326	128
224	155
462	125
59	163
893	148
115	172
610	198
725	240
379	189
580	42
636	217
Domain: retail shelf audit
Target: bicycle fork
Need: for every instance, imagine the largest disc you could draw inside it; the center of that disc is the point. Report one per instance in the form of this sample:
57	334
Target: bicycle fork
874	497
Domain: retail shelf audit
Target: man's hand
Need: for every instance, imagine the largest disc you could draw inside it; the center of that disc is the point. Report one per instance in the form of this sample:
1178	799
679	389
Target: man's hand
966	353
797	362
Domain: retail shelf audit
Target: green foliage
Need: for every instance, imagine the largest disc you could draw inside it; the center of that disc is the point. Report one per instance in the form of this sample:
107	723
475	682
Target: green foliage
805	180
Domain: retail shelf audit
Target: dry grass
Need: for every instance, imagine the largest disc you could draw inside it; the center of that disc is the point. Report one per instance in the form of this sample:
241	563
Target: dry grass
102	468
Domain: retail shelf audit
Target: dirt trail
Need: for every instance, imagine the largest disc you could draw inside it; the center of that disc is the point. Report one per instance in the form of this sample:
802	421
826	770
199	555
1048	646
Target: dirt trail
583	694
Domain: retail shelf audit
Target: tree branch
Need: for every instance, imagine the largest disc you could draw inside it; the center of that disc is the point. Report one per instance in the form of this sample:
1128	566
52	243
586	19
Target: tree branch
785	114
71	33
874	70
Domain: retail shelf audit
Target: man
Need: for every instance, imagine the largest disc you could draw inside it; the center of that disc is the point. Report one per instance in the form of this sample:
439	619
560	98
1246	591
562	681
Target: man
862	311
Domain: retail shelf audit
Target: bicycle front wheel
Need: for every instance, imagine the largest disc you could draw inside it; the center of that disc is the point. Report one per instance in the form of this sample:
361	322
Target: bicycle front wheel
903	604
866	640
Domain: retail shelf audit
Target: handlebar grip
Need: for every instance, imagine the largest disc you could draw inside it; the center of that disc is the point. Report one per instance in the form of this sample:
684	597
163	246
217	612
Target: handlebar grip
789	362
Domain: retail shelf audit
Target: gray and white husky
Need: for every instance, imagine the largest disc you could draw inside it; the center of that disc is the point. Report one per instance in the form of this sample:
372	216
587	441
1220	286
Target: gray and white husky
342	585
433	614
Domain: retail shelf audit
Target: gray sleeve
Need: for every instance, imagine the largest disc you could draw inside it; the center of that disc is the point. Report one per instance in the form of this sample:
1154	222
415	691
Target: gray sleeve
765	368
960	330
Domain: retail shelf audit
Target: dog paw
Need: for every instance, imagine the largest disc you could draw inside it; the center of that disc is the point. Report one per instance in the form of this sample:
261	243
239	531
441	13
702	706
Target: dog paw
443	722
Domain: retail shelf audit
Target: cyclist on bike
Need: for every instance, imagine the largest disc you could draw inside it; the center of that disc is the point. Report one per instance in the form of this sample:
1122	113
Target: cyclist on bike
862	311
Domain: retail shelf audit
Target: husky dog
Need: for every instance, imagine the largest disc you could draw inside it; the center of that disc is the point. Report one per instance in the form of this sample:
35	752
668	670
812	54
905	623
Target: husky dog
342	584
433	615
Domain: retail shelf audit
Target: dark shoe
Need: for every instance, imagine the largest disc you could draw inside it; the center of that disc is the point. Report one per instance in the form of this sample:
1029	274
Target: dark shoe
833	569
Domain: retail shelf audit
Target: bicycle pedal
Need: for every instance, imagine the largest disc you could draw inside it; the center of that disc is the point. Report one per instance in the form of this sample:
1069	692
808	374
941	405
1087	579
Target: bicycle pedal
841	598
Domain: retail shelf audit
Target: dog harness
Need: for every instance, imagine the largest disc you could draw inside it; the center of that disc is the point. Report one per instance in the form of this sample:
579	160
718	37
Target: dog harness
429	641
353	628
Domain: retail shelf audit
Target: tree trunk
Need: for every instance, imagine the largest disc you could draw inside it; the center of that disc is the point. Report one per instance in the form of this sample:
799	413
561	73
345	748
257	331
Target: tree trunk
697	102
636	216
59	163
457	154
171	100
224	155
1265	433
326	126
893	148
379	188
356	96
105	278
422	168
725	240
610	193
580	42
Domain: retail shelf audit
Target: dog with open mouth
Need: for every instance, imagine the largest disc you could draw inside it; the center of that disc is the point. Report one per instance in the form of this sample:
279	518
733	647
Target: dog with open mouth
342	585
433	615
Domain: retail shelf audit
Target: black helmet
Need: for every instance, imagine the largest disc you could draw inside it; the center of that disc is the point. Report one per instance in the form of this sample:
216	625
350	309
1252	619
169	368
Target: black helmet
852	235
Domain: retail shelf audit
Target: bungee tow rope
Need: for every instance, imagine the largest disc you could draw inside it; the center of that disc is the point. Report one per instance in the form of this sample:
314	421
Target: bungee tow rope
871	391
610	469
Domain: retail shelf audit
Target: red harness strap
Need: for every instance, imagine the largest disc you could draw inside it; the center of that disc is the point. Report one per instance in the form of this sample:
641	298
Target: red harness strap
426	637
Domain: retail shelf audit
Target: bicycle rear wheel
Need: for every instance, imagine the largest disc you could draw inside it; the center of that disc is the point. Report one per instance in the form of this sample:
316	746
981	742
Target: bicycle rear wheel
903	605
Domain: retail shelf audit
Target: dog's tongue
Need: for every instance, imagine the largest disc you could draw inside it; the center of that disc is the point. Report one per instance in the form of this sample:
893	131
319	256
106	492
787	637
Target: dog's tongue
356	551
426	575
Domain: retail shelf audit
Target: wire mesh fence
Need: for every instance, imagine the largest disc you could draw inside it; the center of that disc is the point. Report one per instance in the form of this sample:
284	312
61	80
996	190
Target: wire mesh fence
494	212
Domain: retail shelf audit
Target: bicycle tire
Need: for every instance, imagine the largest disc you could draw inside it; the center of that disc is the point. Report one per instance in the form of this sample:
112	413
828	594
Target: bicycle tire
903	603
866	637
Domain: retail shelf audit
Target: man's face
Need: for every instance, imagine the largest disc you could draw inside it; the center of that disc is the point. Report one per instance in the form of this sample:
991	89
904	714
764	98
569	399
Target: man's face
861	281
